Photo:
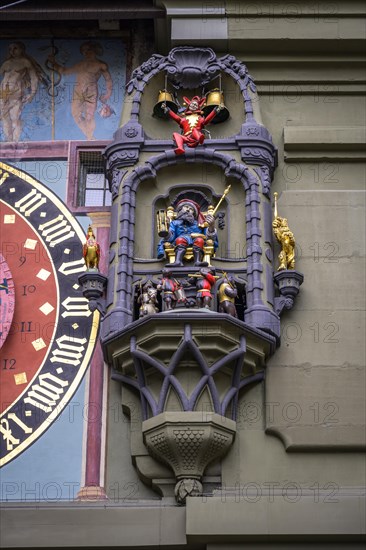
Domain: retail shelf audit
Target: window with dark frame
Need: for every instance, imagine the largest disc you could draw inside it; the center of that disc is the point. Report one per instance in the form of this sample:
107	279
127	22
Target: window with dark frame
93	188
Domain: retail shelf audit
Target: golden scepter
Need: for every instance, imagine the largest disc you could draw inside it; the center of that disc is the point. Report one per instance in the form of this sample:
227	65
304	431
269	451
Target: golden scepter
212	210
222	198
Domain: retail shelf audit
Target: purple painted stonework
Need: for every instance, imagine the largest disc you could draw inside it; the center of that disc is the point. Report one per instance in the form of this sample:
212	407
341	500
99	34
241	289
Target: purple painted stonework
288	282
144	364
265	318
191	67
254	142
188	68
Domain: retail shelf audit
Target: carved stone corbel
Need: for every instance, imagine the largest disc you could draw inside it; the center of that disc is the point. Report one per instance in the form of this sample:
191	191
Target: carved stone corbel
93	286
288	282
188	442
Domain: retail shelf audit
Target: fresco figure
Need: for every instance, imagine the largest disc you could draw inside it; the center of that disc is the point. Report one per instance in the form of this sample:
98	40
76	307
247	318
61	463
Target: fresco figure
21	77
86	93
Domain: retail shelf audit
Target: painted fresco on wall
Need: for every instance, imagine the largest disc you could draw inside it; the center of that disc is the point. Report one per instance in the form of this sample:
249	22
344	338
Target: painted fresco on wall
61	89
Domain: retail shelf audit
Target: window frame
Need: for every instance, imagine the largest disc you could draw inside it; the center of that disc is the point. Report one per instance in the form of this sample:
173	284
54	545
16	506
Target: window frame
74	187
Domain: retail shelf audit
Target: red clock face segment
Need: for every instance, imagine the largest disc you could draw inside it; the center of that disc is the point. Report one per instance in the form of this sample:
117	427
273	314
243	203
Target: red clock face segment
7	299
36	305
48	332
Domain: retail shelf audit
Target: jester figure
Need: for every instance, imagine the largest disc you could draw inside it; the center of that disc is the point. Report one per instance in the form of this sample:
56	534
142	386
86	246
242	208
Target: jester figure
192	123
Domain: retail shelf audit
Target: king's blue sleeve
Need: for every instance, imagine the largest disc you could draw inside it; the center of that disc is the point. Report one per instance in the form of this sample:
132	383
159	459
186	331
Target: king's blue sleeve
160	249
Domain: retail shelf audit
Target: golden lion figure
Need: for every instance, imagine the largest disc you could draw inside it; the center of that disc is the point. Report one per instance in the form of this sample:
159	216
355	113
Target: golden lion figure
286	238
91	250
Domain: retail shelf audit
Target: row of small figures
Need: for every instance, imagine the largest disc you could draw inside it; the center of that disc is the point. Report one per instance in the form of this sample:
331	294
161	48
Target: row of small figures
174	292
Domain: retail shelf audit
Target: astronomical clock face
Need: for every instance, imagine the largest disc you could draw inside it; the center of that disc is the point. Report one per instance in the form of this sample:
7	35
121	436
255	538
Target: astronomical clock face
47	332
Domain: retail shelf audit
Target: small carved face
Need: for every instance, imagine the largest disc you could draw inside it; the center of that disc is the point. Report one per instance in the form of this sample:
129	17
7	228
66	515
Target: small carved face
187	208
193	106
186	213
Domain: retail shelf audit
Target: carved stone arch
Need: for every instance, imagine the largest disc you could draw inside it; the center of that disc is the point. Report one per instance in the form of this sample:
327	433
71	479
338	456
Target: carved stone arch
126	223
189	67
230	167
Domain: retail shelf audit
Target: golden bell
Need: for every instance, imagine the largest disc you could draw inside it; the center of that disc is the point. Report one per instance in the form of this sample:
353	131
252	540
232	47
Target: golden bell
214	98
167	98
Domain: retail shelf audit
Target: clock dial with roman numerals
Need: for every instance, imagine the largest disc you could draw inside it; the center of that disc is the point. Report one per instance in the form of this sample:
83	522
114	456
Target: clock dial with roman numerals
47	332
7	297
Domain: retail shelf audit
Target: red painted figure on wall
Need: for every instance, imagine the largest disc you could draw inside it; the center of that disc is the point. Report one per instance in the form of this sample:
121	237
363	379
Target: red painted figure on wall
192	123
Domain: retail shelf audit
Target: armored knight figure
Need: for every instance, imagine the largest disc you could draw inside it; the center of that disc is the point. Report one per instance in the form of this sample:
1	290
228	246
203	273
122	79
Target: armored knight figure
190	228
192	123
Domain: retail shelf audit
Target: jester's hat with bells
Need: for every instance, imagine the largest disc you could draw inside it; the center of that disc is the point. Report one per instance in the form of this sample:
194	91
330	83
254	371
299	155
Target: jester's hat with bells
200	101
199	216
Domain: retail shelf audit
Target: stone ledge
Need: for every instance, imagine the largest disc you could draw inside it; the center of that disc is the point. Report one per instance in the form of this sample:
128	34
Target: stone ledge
320	439
241	516
324	142
85	526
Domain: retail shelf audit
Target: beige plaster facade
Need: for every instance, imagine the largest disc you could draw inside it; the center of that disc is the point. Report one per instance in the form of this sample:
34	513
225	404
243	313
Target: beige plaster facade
296	468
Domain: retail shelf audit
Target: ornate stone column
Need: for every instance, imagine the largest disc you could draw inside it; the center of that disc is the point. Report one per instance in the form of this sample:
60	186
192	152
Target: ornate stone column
93	487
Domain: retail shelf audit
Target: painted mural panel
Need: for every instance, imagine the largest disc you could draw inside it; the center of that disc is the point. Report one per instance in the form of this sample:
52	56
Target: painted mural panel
62	89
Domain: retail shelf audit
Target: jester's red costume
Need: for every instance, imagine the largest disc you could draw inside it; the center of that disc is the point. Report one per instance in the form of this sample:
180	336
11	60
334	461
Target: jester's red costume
192	124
